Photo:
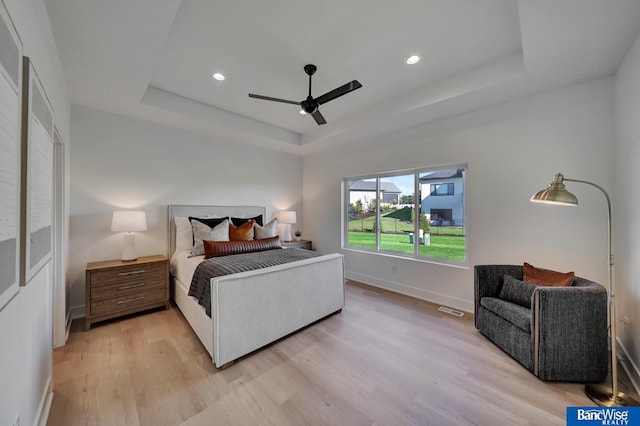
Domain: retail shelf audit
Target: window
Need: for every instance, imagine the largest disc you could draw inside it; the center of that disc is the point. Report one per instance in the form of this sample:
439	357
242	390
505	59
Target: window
440	216
439	189
418	213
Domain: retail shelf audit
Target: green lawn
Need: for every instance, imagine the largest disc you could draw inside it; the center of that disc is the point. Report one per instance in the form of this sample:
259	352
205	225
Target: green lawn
442	246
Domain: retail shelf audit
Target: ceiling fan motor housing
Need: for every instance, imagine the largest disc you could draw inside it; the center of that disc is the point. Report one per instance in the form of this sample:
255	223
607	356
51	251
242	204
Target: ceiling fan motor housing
310	69
309	105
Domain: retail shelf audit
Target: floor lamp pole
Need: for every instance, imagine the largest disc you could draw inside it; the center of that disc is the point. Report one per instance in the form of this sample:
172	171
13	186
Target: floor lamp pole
603	395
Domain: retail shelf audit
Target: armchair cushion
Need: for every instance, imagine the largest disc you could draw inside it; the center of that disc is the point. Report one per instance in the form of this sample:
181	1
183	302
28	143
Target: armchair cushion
516	291
516	314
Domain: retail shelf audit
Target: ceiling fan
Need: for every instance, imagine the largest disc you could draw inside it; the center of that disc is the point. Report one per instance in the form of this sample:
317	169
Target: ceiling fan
310	105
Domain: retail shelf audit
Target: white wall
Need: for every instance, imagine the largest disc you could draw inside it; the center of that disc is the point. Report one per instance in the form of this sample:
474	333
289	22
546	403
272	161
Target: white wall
25	322
123	163
512	151
627	205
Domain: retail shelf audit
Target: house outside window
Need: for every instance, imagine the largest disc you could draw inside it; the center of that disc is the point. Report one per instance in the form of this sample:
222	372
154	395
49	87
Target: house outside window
445	199
382	214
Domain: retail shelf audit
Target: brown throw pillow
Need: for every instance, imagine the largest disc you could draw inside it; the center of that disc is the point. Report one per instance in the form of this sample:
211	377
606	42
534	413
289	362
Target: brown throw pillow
243	232
225	248
540	276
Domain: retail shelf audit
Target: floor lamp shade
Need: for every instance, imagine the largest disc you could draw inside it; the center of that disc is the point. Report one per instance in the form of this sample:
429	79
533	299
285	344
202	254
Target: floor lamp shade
557	194
285	219
129	222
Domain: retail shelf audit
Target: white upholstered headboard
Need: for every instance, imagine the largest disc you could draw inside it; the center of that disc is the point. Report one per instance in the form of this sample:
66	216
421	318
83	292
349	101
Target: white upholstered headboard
208	211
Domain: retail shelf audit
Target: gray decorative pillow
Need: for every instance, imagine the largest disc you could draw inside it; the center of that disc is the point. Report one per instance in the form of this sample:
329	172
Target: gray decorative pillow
269	230
220	232
203	232
516	291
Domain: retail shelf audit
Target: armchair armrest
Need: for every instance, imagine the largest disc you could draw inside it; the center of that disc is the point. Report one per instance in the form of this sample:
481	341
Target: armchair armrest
570	332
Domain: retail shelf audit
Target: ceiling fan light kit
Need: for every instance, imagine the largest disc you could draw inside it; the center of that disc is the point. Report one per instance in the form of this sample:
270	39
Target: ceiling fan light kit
310	105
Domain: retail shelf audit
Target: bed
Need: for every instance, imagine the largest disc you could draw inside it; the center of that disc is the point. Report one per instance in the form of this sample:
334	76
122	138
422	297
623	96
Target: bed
254	308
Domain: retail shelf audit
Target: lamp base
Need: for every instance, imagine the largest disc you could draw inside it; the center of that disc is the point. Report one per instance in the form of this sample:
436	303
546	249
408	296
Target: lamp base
129	248
603	396
284	229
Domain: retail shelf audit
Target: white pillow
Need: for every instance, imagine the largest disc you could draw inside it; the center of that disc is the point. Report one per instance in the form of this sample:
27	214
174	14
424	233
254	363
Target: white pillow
220	232
269	230
202	232
184	234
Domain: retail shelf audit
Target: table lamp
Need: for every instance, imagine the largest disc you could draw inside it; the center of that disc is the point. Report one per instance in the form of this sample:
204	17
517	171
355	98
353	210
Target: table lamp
285	219
129	222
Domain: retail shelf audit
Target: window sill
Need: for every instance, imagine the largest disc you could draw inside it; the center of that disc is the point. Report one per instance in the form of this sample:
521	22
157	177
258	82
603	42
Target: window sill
434	261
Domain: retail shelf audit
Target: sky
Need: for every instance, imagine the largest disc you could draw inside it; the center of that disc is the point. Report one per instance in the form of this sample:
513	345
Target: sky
405	183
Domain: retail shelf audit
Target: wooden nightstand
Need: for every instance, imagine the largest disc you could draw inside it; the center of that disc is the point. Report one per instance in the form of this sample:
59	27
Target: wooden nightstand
114	288
303	244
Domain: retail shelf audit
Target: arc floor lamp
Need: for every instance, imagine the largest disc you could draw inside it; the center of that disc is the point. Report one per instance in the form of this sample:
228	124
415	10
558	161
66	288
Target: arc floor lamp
557	194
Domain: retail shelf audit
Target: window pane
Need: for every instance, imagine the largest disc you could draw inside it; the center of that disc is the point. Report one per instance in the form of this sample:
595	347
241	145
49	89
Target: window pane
441	189
361	216
444	206
397	213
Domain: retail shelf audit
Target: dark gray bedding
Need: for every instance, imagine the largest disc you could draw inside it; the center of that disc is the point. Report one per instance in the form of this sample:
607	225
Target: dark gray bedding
224	265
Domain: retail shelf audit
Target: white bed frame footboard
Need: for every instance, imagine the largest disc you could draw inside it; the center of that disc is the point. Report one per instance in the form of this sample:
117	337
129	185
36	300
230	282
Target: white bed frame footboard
255	308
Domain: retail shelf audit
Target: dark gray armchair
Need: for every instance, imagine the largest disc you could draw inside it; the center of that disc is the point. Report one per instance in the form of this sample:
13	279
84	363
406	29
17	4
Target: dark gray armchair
561	336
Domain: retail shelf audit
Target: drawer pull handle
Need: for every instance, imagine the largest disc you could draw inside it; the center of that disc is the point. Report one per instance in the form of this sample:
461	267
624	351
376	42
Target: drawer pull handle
120	302
131	286
122	274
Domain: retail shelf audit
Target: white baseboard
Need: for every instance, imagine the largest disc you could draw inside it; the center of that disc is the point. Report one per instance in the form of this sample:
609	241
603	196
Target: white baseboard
629	367
45	405
418	293
76	312
67	326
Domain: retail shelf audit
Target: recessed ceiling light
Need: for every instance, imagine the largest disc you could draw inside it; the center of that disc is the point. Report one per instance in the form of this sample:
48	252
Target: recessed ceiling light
413	60
218	76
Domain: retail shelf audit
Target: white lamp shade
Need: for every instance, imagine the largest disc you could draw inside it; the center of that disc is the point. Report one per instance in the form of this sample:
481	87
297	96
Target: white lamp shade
129	221
287	216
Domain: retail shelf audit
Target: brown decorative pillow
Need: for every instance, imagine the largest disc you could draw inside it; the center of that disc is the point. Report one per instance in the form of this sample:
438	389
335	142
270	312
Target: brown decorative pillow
225	248
243	232
540	276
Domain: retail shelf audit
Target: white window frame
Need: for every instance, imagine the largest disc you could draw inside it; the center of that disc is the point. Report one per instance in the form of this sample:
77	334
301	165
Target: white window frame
416	256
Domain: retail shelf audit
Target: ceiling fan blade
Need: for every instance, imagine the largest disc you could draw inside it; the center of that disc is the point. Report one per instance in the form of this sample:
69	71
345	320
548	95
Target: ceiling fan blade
269	98
336	93
318	117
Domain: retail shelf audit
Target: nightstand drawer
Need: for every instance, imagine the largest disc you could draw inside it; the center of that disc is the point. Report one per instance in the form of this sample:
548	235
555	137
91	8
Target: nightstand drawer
126	273
127	302
118	289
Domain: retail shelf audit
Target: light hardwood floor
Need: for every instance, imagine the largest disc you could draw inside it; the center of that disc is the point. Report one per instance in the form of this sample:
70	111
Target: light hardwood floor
386	359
